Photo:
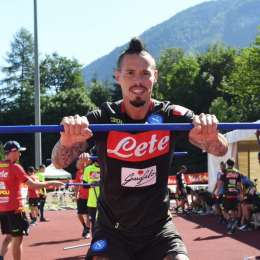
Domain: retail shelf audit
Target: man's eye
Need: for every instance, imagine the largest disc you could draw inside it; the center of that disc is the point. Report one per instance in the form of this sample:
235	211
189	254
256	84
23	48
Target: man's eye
147	73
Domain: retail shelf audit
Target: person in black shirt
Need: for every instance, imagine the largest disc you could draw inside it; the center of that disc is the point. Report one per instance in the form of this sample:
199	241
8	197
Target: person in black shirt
133	220
181	190
232	195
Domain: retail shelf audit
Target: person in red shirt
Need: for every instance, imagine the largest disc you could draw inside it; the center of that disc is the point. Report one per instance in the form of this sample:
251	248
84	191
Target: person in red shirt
81	194
14	224
33	196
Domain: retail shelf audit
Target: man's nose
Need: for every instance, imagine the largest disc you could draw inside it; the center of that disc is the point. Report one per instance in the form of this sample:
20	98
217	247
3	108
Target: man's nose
138	78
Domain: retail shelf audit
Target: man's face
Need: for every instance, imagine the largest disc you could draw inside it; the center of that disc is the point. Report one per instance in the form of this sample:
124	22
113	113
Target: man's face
136	76
14	156
42	169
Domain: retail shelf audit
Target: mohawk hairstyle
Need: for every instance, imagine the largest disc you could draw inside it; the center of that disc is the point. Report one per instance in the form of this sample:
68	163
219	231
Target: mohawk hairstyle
135	46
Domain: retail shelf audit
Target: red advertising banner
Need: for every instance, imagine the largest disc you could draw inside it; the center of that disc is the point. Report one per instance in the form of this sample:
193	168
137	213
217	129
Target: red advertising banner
191	178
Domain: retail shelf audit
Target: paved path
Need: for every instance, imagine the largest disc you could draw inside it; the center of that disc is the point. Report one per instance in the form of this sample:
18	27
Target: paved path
205	239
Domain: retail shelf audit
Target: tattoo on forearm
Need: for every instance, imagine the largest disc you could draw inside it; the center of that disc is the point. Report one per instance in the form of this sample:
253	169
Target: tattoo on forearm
63	156
216	147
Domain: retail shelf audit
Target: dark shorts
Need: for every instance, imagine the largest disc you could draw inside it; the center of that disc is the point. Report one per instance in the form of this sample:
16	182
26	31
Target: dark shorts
34	202
15	224
218	200
118	245
82	206
42	197
230	204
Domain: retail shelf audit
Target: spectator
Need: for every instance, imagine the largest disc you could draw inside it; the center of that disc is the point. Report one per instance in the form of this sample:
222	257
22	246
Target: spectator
233	192
33	196
81	194
14	223
42	192
92	177
181	192
218	200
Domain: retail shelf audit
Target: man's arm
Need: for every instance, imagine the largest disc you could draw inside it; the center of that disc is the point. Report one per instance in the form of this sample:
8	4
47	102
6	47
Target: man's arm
62	156
38	185
72	141
205	135
217	146
219	185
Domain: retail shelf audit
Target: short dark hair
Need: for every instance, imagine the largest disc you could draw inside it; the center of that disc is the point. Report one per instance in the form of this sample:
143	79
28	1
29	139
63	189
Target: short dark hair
42	166
30	169
230	162
136	46
184	167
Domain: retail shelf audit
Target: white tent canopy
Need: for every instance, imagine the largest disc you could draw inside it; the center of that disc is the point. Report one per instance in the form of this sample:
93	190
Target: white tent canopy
232	137
53	173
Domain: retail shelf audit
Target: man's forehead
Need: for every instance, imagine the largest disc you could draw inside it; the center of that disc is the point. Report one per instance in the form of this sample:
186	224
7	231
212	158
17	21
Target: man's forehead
144	57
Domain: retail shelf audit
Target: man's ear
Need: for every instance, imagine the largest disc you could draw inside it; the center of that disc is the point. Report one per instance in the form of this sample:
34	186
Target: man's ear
116	75
156	76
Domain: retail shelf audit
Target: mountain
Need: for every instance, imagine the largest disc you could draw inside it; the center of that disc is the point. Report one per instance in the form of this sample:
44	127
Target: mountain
233	22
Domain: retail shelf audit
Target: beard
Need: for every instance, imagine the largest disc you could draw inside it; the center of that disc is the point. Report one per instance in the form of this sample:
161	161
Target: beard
137	102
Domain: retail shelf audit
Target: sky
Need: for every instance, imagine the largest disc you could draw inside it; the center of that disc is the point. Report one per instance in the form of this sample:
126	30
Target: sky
83	29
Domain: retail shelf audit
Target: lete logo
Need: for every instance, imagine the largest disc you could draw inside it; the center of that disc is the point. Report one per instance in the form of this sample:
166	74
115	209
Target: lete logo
137	147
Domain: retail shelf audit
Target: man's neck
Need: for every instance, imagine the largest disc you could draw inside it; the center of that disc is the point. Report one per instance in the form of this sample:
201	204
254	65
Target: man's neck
137	113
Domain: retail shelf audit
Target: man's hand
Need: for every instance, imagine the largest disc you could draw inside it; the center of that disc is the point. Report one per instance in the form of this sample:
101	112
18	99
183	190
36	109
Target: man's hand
76	130
84	159
205	127
55	184
205	135
72	141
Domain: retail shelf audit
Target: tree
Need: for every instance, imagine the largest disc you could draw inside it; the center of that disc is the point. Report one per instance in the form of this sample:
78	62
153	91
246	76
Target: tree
177	74
17	86
99	93
215	66
223	111
243	84
59	73
63	92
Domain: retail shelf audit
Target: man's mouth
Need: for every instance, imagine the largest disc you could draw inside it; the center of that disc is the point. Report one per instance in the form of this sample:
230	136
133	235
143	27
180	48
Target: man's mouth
137	90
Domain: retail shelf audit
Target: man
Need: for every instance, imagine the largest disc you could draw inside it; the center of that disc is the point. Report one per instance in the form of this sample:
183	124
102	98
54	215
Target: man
181	190
232	195
14	224
81	194
248	204
92	176
33	196
42	193
218	200
133	220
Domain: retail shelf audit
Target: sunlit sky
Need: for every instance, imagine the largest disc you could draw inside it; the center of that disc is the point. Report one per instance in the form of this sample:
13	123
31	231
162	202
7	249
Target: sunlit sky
83	29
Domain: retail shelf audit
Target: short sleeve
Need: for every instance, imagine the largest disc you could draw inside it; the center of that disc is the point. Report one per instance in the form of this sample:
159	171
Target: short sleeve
20	173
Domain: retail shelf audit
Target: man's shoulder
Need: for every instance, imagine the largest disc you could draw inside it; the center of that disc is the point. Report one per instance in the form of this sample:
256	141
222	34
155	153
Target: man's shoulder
105	111
177	111
4	164
16	166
